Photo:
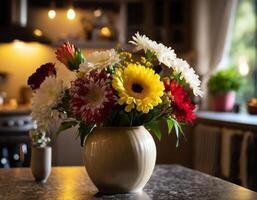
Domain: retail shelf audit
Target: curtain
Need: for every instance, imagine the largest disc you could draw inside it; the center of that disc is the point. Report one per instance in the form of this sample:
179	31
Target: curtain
213	22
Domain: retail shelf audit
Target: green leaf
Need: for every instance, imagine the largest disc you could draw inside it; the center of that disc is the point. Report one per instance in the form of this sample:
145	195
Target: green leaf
124	118
170	125
149	55
79	56
154	127
73	64
178	130
177	134
66	125
84	130
64	105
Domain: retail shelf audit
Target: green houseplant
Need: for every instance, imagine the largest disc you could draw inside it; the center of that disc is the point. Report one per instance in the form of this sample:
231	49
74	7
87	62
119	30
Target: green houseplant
222	87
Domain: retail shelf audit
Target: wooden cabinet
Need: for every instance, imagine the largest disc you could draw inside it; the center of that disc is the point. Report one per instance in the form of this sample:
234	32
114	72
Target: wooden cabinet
166	21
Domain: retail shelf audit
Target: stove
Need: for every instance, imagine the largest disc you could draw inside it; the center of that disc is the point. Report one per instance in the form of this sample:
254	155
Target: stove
15	147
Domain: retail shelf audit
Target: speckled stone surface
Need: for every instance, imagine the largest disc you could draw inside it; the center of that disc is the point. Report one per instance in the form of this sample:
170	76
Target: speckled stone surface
72	183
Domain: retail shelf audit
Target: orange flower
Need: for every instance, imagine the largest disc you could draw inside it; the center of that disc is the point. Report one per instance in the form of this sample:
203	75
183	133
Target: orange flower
70	56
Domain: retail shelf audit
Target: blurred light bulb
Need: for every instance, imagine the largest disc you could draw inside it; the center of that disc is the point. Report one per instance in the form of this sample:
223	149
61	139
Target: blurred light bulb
71	14
38	32
243	66
18	44
3	161
106	32
51	14
97	13
16	156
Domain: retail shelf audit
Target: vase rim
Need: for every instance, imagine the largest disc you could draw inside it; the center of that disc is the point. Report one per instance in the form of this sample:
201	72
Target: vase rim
39	147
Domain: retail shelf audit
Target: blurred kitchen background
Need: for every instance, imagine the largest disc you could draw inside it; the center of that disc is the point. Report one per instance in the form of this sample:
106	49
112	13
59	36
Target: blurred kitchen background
210	35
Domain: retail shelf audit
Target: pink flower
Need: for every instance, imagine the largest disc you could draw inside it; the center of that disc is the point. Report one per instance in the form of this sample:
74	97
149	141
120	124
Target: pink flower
70	56
92	97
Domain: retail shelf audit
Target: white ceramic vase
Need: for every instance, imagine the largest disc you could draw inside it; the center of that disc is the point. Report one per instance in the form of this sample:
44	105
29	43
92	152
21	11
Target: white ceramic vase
41	163
119	159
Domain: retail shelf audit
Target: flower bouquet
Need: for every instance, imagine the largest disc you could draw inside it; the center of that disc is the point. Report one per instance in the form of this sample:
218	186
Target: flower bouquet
116	94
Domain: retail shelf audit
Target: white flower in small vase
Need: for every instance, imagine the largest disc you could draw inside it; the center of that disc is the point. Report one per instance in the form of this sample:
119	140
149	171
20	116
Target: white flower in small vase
41	155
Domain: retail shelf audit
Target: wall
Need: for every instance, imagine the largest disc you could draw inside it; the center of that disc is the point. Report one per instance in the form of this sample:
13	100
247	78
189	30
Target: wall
19	60
67	150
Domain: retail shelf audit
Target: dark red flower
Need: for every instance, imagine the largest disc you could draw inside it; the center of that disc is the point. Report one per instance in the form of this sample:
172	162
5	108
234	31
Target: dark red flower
92	97
181	101
41	73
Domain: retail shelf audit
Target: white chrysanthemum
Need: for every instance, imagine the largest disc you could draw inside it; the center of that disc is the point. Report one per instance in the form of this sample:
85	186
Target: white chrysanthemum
165	55
86	67
142	42
44	100
100	60
188	74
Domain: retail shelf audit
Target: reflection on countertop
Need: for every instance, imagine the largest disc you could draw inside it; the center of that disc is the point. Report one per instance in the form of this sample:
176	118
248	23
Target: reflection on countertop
167	182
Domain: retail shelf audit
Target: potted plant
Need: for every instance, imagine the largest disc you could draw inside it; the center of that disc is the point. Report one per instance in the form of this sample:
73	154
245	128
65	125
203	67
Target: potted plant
116	97
41	155
223	86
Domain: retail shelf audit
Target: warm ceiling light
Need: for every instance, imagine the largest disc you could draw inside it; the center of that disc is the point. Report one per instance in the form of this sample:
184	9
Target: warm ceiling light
18	44
51	14
106	32
71	14
97	13
38	32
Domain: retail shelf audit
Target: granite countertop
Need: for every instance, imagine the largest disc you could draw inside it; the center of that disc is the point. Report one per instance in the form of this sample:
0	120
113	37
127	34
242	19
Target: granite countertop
72	183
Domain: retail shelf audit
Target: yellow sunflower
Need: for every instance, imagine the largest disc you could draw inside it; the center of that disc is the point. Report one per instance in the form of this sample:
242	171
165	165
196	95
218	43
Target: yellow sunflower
138	87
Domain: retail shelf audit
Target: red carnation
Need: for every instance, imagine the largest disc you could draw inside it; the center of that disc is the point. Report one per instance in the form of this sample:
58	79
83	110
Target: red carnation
41	73
181	101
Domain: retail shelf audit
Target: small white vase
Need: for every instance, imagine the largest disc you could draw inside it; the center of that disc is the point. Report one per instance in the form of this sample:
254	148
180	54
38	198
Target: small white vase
41	162
119	159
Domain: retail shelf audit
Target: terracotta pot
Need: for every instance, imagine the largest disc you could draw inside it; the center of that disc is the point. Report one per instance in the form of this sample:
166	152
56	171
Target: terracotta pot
224	101
252	109
41	162
119	159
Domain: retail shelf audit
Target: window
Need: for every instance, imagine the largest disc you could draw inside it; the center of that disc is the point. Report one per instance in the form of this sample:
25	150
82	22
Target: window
243	47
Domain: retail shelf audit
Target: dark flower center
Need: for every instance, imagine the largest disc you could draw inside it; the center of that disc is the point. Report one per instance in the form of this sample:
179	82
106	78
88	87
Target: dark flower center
137	88
157	69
